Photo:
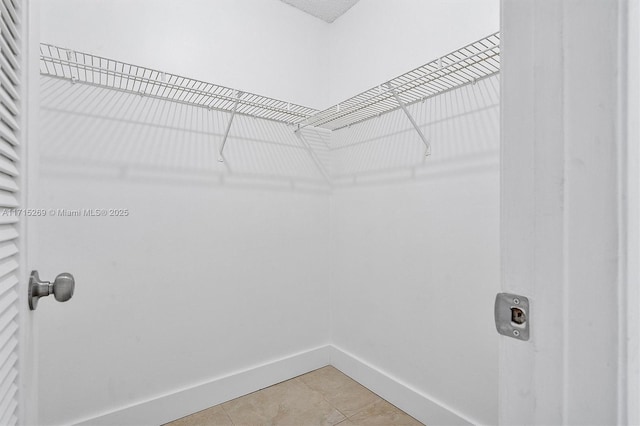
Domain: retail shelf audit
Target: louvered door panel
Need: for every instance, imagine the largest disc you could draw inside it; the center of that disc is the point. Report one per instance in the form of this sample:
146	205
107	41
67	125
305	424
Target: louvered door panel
10	104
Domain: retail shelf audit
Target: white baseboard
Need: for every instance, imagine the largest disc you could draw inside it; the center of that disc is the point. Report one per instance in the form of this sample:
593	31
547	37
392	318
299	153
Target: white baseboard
180	403
427	409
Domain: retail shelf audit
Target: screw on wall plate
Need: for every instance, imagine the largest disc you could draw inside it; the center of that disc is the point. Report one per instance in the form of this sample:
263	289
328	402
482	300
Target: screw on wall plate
516	301
516	333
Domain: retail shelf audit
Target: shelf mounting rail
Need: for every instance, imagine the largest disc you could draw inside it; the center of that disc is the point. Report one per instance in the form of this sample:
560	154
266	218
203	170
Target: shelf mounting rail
78	67
464	66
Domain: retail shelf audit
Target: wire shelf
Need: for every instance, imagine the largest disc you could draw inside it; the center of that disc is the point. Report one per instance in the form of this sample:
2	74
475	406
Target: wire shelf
103	72
464	66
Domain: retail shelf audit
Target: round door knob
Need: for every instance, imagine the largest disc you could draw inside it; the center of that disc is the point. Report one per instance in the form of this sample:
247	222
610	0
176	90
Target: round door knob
63	287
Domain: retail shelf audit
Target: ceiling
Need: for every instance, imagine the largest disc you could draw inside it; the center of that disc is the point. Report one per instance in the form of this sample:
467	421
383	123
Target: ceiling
327	10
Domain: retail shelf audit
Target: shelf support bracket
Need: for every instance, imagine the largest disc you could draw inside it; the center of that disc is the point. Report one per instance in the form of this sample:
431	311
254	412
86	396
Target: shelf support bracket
425	141
312	153
226	132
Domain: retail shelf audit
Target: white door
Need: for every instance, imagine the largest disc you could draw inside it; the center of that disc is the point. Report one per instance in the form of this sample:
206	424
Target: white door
16	337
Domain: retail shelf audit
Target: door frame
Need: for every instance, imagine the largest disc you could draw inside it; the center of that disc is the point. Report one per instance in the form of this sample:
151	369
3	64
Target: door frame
556	71
30	92
632	219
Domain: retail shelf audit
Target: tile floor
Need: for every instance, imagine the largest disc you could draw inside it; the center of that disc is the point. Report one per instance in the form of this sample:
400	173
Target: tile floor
321	397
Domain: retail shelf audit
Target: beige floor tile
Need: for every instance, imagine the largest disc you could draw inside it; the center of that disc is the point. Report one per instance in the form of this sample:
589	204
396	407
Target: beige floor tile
290	403
214	416
382	413
339	390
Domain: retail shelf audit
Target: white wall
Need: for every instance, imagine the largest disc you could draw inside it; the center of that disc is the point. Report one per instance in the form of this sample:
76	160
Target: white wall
260	46
380	39
219	267
412	275
416	253
416	248
214	271
268	47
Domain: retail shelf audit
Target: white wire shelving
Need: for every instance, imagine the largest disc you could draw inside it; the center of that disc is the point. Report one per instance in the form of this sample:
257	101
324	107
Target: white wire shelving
467	65
464	66
79	67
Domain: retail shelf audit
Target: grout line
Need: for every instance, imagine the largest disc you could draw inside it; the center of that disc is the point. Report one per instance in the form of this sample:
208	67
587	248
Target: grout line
346	417
368	405
227	414
321	395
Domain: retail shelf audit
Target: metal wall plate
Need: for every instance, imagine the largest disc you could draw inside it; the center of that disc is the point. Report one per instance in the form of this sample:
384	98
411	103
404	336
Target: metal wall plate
512	315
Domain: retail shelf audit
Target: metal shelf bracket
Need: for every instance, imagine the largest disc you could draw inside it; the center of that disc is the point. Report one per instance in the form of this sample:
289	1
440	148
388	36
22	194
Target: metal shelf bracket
226	132
425	141
313	155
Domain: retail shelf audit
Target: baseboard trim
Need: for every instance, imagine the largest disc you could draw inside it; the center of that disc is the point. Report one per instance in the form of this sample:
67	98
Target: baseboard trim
165	408
421	406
